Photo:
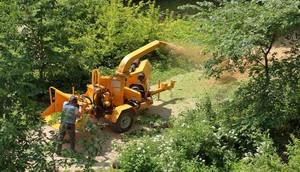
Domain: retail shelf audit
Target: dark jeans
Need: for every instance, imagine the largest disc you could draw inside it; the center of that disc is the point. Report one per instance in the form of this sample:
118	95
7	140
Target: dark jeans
62	132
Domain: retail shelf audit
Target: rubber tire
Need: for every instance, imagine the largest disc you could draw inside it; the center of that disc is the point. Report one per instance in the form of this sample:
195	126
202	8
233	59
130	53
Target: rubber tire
124	122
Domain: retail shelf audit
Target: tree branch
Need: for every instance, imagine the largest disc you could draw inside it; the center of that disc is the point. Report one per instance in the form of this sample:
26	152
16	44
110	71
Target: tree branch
260	63
271	44
263	51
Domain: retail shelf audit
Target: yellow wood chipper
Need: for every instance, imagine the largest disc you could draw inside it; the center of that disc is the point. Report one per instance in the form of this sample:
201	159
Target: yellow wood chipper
116	98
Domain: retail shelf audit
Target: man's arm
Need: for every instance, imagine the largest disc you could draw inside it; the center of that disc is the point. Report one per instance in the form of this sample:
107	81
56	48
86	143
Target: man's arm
79	111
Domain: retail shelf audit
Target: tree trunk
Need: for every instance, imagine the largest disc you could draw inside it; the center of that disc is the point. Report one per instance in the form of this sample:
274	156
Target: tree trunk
267	68
266	58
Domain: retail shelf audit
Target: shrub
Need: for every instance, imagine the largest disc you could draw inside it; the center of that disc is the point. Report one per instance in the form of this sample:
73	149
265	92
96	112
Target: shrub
264	159
293	152
270	106
119	29
196	142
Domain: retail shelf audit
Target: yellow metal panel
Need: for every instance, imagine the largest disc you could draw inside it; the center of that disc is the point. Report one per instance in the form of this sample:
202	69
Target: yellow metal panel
144	67
105	81
90	91
117	112
117	90
56	105
127	60
56	125
132	94
48	111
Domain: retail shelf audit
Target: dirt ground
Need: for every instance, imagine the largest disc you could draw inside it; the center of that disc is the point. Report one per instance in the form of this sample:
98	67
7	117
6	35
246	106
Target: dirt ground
164	108
108	154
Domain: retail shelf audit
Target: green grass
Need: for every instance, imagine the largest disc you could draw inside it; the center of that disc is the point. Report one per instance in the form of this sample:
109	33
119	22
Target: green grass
184	65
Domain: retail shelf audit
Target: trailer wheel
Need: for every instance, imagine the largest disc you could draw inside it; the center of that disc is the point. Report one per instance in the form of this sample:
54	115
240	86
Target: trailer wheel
124	122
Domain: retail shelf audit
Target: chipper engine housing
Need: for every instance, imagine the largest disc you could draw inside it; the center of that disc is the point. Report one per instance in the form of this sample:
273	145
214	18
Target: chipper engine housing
116	98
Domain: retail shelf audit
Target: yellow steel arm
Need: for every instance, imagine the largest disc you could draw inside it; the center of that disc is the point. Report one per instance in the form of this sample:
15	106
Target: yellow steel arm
163	87
130	58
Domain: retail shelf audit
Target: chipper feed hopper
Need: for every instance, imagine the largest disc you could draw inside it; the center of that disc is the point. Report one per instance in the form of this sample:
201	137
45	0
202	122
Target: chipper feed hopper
116	98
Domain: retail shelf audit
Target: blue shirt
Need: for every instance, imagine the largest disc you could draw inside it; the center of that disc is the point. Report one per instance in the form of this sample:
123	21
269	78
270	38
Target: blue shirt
69	113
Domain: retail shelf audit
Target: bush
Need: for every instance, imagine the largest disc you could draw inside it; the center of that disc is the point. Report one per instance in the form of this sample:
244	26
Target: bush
196	143
59	43
24	147
165	152
270	106
293	152
264	159
119	29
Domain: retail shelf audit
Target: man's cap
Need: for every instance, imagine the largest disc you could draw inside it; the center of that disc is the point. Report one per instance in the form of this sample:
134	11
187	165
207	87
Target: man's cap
73	99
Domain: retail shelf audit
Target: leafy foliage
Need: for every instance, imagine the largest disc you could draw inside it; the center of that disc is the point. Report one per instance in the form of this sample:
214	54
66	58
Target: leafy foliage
293	153
91	140
59	42
267	160
50	42
118	29
267	106
195	143
242	33
23	144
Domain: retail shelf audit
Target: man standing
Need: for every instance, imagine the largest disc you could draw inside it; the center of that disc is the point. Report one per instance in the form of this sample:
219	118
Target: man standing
68	120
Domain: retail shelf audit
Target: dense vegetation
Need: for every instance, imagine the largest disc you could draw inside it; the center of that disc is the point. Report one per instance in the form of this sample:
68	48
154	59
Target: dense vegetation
251	130
50	42
58	42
